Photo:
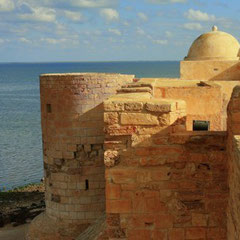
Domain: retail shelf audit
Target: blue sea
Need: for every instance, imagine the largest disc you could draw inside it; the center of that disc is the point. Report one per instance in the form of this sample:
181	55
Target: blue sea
20	132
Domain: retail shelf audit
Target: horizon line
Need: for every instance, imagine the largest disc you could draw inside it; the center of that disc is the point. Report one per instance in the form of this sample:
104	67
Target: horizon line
108	61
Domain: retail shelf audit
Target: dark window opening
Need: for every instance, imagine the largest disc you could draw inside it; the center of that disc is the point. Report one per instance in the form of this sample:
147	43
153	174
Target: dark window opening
49	108
201	125
86	184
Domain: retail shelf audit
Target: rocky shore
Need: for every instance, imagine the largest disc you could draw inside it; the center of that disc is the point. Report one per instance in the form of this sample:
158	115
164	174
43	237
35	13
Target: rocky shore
21	205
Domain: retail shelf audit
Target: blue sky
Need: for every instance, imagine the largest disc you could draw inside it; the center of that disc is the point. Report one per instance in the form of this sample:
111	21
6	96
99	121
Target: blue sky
109	30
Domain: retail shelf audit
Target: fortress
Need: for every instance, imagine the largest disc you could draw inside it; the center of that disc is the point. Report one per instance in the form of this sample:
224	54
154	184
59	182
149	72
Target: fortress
125	159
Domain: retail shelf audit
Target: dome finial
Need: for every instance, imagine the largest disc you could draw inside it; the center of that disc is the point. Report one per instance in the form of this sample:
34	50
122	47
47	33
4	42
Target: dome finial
214	28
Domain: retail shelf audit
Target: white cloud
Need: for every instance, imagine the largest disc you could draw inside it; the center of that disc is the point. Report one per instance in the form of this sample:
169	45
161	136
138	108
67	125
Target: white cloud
142	16
160	41
6	5
93	3
168	34
193	26
72	3
24	40
167	1
1	41
61	29
109	14
74	16
126	23
197	15
140	31
115	31
92	33
40	14
53	40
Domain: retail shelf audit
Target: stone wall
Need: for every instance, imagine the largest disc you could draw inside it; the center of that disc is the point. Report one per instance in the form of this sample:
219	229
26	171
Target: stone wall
204	100
72	133
161	181
210	70
234	165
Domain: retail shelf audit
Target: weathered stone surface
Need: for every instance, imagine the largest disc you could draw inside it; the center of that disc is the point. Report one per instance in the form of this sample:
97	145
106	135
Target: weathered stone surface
111	117
133	106
72	113
138	119
111	158
141	140
113	106
160	107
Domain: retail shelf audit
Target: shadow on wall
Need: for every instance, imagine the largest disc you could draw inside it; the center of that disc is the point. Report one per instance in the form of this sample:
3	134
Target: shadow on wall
74	170
160	183
230	74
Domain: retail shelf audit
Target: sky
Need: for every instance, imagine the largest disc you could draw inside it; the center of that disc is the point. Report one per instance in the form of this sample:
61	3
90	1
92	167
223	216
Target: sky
109	30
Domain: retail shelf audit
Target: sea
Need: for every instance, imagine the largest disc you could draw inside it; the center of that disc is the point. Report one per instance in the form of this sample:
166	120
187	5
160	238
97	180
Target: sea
20	131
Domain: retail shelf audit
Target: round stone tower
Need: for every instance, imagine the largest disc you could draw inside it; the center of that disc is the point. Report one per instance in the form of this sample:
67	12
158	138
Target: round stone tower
72	133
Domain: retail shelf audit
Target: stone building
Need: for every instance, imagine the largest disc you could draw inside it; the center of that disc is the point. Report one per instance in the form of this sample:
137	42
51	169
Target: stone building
124	157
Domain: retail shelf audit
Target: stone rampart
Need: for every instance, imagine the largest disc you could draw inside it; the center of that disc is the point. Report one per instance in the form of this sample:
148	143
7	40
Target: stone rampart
72	133
161	181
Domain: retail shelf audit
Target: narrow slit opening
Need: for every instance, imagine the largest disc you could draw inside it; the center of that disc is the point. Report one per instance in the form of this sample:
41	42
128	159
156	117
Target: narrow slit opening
49	108
86	184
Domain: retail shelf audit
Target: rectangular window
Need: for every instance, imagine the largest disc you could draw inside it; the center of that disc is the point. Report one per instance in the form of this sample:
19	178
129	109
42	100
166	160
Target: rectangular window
201	125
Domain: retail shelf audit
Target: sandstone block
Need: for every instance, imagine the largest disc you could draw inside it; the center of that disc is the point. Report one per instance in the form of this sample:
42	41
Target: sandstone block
161	174
160	235
117	130
72	147
133	106
138	119
113	191
68	155
153	161
139	234
216	233
111	117
199	220
111	158
118	206
176	234
164	221
121	175
143	176
87	148
161	107
141	140
164	119
110	106
195	233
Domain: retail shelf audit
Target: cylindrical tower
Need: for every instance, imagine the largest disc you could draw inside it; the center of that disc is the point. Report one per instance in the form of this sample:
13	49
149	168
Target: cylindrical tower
72	132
